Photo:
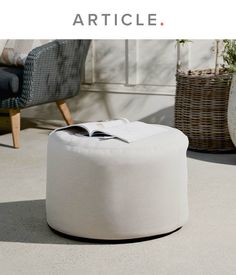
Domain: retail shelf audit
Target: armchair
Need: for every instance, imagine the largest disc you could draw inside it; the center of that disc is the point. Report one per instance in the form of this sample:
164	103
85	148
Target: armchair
52	73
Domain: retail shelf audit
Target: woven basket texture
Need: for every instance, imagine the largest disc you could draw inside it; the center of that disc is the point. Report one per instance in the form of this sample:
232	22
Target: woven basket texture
201	109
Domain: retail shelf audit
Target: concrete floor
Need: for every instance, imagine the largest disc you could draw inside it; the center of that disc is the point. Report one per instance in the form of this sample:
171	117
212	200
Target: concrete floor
205	245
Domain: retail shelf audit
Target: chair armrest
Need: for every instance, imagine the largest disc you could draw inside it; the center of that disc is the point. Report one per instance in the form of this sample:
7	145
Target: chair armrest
52	72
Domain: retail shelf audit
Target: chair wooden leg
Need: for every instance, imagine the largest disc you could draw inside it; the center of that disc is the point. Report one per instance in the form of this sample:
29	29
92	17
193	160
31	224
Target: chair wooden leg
62	106
15	126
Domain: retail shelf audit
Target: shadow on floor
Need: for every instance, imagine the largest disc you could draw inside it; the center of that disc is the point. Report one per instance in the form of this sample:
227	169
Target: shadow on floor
164	116
222	158
27	123
5	145
25	221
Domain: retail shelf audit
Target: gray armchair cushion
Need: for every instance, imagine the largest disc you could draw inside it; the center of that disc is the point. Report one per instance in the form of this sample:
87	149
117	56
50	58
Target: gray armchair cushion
10	81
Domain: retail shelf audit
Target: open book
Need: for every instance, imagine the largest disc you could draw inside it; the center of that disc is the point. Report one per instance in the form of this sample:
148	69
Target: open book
119	128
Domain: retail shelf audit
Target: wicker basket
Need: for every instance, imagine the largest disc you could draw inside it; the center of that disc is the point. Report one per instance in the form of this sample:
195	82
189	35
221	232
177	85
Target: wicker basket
201	109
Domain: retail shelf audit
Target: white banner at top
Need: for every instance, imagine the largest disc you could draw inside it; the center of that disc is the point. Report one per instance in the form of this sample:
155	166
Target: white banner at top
107	19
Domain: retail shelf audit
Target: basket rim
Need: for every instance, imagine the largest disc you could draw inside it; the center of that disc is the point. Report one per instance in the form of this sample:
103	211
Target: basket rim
203	73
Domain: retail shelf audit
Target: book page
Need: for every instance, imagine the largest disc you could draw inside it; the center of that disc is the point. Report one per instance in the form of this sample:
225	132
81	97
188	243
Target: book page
100	126
134	131
88	128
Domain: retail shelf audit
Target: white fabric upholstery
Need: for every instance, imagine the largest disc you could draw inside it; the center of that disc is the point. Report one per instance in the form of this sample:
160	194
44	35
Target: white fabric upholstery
2	45
114	190
14	52
232	111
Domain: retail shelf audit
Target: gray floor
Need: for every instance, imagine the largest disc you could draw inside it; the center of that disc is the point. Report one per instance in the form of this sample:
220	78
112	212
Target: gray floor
205	245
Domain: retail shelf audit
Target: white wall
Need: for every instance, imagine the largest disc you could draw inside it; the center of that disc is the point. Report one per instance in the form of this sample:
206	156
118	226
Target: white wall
131	78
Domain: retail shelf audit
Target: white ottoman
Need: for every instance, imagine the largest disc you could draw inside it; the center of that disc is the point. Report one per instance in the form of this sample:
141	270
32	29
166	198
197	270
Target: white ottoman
113	190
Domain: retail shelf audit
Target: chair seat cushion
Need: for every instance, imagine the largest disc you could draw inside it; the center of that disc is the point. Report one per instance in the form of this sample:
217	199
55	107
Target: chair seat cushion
10	81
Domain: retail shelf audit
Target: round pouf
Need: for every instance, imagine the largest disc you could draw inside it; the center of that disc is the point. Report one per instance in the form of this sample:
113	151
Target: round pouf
112	190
